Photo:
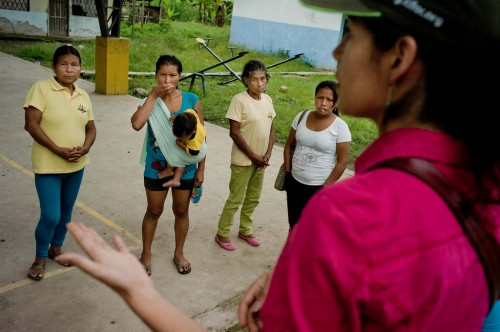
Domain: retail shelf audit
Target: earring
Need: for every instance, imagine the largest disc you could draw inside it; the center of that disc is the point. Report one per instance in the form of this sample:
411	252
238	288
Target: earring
389	97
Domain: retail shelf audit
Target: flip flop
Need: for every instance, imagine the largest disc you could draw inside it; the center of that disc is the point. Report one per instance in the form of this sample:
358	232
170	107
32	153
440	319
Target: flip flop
181	268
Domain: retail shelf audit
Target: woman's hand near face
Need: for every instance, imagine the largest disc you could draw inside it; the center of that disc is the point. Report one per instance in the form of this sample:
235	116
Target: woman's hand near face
160	90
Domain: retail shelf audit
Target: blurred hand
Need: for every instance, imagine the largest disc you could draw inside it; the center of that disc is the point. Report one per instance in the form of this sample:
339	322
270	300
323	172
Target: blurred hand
117	268
252	302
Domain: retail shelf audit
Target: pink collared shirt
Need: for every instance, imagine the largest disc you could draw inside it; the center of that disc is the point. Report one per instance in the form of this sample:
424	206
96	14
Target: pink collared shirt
381	251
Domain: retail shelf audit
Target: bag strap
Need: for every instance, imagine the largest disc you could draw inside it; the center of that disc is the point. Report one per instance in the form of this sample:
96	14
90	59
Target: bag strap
301	116
300	119
485	245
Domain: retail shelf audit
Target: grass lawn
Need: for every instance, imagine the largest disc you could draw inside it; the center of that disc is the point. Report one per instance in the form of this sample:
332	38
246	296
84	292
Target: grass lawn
179	38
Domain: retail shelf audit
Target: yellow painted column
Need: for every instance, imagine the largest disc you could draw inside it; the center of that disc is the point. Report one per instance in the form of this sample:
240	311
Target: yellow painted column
111	65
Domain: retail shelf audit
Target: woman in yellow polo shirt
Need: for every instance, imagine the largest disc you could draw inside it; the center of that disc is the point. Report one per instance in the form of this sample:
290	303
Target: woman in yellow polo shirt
59	117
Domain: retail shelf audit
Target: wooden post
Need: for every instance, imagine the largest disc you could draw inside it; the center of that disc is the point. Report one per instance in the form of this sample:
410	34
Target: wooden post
111	68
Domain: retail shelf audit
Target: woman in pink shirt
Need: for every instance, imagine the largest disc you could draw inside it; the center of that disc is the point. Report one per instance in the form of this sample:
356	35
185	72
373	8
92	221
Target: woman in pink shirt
381	251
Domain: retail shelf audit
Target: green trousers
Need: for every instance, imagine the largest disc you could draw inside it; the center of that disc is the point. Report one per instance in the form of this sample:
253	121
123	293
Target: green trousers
245	187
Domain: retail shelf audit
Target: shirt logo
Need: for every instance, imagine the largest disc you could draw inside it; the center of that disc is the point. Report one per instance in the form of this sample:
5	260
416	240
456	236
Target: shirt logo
82	109
270	115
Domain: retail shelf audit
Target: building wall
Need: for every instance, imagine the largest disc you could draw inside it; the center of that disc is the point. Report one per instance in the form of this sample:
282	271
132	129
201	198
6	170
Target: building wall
278	25
36	22
23	23
39	6
81	26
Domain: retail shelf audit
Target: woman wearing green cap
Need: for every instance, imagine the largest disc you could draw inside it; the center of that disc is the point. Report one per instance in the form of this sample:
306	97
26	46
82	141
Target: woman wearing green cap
392	255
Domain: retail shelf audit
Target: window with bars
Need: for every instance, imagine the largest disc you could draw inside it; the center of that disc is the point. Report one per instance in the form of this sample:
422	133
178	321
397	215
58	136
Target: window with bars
20	5
83	8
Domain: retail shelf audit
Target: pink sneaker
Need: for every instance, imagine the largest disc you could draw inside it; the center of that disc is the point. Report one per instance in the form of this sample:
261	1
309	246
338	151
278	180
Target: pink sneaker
225	245
253	241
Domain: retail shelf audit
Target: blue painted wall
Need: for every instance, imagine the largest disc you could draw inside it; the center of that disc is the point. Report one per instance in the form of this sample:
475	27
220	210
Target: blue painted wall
28	23
317	44
278	25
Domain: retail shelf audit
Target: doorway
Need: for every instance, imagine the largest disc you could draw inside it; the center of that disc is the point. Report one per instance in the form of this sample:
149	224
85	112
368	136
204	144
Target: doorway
58	18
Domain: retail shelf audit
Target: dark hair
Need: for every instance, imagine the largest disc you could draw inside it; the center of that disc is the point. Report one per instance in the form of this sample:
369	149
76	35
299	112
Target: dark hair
332	86
65	50
444	106
252	66
184	124
168	59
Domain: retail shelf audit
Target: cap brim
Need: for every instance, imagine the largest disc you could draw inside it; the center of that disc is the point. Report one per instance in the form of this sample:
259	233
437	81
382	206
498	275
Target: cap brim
346	7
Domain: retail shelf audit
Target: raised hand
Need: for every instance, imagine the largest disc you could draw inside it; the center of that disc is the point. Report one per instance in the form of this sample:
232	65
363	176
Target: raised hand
117	268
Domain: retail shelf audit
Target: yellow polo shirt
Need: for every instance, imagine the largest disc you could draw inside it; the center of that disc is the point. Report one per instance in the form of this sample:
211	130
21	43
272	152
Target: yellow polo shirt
64	117
255	118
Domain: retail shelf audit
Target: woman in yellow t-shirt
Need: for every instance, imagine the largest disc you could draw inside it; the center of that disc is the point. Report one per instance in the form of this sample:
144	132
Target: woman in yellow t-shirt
59	117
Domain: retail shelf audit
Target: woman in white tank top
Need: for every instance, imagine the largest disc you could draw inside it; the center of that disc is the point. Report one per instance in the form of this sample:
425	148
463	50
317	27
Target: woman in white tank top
322	142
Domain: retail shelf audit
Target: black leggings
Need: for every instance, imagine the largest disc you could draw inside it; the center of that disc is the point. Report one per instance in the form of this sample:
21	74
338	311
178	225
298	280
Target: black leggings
297	196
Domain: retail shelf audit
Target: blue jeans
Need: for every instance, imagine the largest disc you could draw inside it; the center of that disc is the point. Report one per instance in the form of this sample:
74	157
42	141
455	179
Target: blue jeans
57	195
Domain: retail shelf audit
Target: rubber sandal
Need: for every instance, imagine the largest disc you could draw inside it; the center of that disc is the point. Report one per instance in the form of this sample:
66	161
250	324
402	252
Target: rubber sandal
181	268
225	245
54	252
39	267
251	240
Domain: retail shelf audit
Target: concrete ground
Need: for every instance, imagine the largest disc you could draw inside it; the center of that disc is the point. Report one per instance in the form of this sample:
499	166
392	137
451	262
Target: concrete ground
112	200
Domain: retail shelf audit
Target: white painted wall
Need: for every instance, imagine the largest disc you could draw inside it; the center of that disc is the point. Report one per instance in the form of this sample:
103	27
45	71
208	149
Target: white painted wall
82	26
277	25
